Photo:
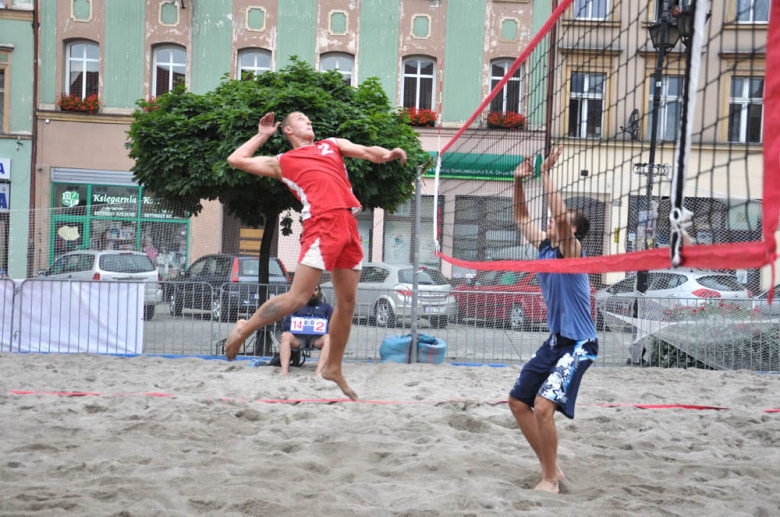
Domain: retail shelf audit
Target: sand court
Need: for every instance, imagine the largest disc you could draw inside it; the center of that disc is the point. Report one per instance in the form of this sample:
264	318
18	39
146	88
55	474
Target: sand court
159	436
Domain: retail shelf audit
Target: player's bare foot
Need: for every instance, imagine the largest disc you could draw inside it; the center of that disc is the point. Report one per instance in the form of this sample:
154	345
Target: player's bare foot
339	379
559	472
234	341
548	486
284	374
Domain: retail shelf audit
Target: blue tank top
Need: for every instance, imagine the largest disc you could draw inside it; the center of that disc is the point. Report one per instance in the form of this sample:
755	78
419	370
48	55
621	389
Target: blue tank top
567	296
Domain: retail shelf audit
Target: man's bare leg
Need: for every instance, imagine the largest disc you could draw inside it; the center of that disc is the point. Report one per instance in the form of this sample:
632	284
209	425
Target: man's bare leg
322	361
345	283
286	345
524	415
544	411
276	308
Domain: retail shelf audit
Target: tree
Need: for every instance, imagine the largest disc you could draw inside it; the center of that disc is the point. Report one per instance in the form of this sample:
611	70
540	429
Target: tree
180	143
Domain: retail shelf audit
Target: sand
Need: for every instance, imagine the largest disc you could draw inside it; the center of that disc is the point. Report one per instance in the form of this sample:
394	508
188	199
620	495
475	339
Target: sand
212	449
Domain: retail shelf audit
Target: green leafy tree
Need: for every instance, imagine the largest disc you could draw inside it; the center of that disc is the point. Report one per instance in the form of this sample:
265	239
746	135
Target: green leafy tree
180	143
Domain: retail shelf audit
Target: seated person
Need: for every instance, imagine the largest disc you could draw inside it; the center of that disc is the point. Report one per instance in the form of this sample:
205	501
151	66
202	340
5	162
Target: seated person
308	327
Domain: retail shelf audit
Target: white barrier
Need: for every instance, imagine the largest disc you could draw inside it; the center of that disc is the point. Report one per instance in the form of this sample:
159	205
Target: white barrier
73	317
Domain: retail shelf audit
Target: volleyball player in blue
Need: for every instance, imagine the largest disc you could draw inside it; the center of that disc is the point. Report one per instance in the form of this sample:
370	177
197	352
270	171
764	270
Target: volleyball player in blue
551	378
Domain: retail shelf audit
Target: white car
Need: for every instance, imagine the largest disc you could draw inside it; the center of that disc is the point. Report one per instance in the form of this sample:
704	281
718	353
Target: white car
385	295
670	287
107	265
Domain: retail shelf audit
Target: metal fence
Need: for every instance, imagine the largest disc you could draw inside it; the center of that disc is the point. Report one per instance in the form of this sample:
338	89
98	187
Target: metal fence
189	318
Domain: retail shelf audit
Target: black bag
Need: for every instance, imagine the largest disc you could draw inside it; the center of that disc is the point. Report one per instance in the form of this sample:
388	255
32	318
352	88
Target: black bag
296	359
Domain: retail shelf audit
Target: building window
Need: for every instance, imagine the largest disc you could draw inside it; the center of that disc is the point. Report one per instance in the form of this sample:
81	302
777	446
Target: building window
253	62
82	69
170	65
485	230
344	63
418	84
670	110
586	105
590	9
511	96
746	109
398	233
752	11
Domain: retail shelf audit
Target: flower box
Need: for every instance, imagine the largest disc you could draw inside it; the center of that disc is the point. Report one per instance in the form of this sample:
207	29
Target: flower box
506	120
74	103
420	117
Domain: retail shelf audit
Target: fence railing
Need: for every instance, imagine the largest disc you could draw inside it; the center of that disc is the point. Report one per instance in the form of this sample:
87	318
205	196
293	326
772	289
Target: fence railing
194	318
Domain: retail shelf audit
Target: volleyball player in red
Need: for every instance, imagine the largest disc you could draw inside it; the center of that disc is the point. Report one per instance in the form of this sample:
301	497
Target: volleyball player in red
316	175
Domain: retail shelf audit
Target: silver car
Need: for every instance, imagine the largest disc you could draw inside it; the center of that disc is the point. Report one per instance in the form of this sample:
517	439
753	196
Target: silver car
117	266
385	295
669	288
761	303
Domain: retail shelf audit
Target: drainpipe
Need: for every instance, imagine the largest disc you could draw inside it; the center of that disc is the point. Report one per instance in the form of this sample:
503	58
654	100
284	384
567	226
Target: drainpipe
34	151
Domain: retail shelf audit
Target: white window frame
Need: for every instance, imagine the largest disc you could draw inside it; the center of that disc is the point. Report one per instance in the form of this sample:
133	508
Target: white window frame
171	63
752	13
418	76
745	101
582	131
666	99
506	64
255	69
339	56
589	10
83	60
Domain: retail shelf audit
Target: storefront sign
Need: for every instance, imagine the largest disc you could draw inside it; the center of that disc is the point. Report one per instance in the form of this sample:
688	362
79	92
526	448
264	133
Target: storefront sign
70	199
5	169
5	197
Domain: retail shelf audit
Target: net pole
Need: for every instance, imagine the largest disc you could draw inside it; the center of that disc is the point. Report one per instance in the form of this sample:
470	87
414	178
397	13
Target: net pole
416	273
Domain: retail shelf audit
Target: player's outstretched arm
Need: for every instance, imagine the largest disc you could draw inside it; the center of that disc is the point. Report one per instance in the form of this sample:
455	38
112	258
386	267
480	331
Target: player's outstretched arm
533	234
243	158
570	247
374	154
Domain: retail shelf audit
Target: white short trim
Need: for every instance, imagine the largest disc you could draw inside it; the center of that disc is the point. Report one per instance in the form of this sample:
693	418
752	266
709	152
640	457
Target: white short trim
313	257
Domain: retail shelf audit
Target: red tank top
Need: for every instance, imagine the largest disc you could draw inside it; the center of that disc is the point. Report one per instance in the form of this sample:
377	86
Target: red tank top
317	176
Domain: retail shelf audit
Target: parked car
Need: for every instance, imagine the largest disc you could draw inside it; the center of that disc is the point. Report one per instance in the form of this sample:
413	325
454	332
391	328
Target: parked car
761	302
225	286
109	265
385	295
670	287
510	298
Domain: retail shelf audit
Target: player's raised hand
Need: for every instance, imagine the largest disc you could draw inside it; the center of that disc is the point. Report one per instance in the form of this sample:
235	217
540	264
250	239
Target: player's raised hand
266	127
548	163
525	169
395	154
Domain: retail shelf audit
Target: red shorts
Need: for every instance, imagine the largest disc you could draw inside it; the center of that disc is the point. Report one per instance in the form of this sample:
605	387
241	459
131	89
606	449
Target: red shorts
331	241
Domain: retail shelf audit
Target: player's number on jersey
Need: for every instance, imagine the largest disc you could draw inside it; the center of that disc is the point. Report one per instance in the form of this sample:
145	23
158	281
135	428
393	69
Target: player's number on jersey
325	148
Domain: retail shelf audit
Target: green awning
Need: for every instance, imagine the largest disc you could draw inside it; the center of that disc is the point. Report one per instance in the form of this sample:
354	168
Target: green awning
476	166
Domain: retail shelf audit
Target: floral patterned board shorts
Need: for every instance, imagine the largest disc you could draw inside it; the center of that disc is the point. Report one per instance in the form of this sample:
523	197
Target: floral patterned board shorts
554	372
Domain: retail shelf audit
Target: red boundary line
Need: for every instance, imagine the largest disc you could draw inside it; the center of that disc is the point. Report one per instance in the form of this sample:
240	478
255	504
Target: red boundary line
375	402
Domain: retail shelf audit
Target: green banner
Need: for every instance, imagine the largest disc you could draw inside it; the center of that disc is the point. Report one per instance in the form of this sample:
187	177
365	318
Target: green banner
476	166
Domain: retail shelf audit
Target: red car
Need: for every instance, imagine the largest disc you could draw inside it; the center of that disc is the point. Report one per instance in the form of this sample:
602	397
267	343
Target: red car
510	298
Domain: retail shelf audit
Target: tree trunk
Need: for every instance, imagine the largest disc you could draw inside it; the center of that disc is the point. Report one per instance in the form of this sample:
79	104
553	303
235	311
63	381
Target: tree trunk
264	343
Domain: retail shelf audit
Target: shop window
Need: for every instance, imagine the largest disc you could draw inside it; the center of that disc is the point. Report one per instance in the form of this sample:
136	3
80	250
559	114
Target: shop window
398	234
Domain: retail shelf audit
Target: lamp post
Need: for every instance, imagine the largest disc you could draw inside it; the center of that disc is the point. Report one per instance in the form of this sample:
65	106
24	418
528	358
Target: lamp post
664	34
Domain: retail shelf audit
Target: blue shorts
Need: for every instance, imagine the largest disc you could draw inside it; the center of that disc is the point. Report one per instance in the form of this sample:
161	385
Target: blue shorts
554	372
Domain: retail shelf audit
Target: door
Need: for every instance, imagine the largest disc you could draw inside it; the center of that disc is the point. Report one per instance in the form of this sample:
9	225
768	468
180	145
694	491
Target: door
193	291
